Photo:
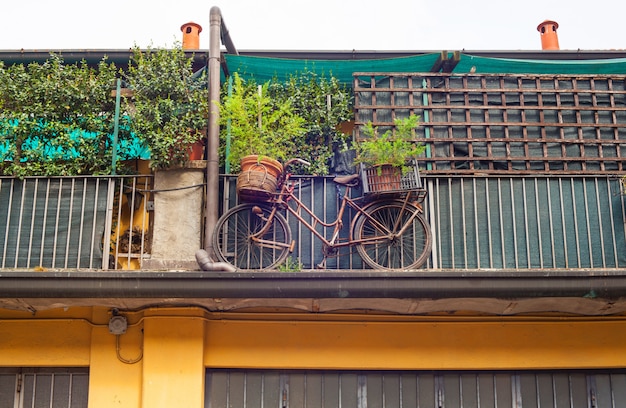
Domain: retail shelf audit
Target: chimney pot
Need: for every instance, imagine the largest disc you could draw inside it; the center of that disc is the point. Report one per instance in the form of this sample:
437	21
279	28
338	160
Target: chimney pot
191	36
549	37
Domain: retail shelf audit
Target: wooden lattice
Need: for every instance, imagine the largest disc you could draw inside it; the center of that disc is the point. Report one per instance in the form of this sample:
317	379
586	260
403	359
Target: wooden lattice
504	123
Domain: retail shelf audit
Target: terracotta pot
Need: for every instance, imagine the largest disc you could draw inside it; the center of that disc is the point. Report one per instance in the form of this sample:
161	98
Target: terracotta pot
253	162
384	178
258	179
196	151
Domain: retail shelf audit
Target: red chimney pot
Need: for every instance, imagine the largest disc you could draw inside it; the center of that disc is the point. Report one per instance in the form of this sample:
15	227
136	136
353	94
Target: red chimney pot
191	36
549	37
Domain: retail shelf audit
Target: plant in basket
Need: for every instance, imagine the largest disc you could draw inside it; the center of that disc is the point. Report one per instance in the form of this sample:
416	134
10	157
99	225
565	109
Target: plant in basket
386	156
262	133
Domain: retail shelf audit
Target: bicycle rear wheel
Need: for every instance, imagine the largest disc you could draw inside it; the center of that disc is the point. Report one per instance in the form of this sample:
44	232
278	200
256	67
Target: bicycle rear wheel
233	240
383	247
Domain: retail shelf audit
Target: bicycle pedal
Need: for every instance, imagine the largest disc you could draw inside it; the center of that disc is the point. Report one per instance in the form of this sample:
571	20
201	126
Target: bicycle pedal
292	246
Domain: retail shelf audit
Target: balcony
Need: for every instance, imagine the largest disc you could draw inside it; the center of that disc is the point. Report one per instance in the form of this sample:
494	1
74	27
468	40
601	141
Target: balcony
524	205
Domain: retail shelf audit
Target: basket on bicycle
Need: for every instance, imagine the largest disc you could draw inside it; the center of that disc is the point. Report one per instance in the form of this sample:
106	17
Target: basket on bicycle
255	186
258	179
382	180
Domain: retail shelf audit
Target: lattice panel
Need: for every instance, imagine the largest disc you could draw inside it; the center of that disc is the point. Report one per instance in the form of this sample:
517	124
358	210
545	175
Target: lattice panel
504	123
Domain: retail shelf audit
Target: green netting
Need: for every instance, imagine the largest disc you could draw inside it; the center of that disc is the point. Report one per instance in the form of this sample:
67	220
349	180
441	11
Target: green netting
264	69
483	65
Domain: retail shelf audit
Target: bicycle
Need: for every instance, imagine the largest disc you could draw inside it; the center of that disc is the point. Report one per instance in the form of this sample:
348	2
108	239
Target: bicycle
388	230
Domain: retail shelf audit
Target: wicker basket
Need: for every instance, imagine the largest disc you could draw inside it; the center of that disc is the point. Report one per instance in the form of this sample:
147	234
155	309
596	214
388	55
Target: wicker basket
255	186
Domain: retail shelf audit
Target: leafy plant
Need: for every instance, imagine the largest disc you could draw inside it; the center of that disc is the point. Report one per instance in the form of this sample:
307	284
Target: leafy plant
258	124
291	265
324	103
169	107
57	119
314	104
394	146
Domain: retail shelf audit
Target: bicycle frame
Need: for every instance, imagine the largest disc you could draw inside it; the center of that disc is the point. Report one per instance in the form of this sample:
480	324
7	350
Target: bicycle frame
283	199
387	230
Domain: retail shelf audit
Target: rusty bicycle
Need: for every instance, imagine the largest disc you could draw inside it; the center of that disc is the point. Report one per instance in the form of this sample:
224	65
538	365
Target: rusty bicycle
388	228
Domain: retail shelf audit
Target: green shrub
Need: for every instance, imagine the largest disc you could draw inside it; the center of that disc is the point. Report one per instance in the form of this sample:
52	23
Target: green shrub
57	119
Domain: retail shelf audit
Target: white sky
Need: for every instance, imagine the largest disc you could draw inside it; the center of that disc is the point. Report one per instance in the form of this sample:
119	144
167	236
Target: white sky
423	25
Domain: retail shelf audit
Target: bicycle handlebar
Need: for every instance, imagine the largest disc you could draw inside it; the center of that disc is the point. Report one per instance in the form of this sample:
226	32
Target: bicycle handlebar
296	160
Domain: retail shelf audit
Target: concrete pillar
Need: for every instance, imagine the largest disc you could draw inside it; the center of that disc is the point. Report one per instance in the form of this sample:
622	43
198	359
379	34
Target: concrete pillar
177	226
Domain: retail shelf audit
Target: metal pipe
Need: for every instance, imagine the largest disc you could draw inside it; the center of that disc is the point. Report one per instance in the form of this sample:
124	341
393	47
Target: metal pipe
116	126
212	170
226	40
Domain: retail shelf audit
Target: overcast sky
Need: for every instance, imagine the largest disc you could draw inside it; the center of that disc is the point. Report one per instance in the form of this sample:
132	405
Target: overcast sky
422	25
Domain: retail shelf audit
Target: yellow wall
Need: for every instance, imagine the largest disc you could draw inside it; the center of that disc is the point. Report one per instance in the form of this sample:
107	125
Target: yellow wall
173	346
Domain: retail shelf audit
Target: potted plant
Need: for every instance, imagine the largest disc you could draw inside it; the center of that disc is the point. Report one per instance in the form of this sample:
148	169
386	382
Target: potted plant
262	132
259	125
386	156
169	104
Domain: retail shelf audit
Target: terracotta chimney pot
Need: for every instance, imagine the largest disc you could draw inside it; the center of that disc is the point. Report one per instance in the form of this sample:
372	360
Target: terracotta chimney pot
191	36
549	37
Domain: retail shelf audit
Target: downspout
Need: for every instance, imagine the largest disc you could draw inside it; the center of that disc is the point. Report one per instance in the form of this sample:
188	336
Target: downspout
213	138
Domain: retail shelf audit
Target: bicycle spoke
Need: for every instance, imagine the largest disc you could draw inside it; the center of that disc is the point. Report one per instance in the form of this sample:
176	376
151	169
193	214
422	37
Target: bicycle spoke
234	243
382	248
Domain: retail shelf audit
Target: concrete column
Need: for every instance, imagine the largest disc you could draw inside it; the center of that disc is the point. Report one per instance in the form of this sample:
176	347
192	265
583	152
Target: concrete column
177	226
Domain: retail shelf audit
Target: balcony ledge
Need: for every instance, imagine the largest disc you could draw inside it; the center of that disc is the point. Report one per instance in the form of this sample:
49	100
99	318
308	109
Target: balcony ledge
501	292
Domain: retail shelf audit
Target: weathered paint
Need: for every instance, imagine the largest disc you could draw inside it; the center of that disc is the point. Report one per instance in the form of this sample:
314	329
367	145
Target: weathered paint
178	344
177	224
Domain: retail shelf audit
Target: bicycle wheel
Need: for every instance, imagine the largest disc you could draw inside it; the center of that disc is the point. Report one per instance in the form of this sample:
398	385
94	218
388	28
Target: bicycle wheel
233	240
383	247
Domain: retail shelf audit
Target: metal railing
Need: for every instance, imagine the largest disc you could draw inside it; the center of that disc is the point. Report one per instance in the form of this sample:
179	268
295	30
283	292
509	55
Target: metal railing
72	222
514	222
489	222
543	222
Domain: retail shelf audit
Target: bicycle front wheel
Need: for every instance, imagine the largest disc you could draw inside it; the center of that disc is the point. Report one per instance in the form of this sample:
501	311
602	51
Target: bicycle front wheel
383	246
237	239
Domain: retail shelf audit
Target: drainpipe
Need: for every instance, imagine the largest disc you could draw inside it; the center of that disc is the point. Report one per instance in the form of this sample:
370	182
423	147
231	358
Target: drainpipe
213	140
549	37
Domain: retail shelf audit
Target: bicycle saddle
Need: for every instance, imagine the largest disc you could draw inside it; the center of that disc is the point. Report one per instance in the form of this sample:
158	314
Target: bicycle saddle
350	180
